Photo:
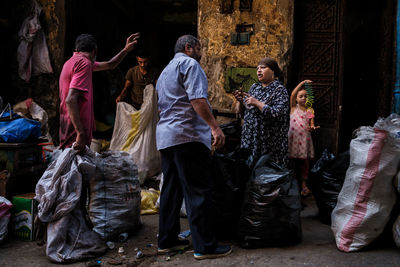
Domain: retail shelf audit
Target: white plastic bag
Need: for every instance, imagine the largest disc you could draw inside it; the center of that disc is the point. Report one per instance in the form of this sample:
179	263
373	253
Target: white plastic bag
367	197
5	214
31	109
135	133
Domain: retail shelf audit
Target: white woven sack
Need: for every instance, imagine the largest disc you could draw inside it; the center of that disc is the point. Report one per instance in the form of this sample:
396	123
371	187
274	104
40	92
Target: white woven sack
367	197
139	140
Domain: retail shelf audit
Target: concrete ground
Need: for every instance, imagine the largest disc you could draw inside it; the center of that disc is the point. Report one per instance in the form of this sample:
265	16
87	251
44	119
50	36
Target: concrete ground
317	249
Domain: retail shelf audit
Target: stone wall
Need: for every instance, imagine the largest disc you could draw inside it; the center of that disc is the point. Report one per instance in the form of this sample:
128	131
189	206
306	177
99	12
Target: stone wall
47	93
273	37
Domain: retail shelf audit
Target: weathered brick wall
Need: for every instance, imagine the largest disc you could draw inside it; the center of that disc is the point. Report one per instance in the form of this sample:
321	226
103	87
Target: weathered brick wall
273	37
46	91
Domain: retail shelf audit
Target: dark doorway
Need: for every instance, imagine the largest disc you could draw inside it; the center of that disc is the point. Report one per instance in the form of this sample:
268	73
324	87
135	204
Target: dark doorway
160	23
367	64
317	57
346	48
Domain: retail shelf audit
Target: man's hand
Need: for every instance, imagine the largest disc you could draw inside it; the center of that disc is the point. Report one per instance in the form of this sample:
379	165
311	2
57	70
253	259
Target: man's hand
79	144
114	62
118	99
132	41
219	137
201	107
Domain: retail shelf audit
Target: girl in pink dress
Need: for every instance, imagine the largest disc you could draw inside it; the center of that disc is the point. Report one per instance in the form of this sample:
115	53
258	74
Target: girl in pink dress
301	148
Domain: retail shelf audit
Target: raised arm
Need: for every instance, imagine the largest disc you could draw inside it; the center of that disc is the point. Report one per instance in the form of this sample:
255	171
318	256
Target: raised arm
201	107
114	62
294	93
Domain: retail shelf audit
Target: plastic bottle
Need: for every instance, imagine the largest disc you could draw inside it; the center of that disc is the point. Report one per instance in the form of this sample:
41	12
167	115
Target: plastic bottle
123	237
110	244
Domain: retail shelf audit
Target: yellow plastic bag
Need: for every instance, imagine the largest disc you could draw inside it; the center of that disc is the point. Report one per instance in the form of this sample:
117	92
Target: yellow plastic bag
149	199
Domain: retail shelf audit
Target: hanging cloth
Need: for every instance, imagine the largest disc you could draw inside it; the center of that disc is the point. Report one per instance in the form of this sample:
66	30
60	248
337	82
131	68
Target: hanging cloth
32	54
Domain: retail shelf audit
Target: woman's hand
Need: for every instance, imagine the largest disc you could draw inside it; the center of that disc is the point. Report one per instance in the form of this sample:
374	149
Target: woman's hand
252	102
238	94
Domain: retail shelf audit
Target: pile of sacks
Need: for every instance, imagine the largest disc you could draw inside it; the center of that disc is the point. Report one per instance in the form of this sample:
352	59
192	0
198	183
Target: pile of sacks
114	205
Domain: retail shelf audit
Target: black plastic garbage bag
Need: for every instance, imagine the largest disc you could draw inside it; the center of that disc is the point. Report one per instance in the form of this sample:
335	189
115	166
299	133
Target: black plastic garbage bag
271	209
326	181
232	132
231	175
322	162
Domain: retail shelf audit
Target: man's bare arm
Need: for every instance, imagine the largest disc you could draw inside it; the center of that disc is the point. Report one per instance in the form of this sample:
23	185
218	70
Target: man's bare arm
114	62
124	91
74	114
201	107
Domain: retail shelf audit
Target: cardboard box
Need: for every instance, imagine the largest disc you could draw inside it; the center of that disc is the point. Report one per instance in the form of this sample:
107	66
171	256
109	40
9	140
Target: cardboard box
24	212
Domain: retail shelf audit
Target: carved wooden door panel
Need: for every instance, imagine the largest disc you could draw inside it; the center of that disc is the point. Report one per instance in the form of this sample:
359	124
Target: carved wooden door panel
317	57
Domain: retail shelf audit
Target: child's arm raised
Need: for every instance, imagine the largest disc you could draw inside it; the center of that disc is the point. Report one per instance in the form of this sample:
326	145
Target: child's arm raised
294	93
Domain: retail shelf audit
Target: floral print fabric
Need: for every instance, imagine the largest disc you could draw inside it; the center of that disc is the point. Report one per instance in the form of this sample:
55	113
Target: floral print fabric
266	131
300	142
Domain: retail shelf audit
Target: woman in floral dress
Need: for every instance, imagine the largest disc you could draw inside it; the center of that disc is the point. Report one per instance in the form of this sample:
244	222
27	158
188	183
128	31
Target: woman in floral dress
266	114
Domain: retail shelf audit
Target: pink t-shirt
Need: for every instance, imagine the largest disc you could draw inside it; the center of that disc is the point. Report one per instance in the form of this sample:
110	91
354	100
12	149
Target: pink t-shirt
77	74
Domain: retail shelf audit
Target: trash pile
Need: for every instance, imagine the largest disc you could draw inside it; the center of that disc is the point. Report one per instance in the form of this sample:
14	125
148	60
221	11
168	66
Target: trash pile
356	192
260	206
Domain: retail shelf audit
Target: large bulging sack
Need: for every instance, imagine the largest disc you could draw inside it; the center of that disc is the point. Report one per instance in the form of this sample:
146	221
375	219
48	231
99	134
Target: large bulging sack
368	196
135	133
115	198
58	192
271	209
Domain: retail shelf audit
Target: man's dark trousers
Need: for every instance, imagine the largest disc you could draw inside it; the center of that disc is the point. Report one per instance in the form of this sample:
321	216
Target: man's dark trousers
187	174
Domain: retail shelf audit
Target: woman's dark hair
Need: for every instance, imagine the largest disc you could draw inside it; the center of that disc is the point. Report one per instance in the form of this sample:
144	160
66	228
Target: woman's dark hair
273	65
183	40
85	43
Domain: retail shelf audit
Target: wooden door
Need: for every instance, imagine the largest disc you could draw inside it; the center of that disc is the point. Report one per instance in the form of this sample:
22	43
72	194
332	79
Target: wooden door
317	56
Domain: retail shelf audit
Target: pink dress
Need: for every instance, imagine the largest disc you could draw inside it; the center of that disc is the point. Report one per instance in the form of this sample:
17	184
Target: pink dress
300	142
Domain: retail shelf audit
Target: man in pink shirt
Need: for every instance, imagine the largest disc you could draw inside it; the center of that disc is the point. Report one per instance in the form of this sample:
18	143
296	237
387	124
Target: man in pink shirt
76	90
